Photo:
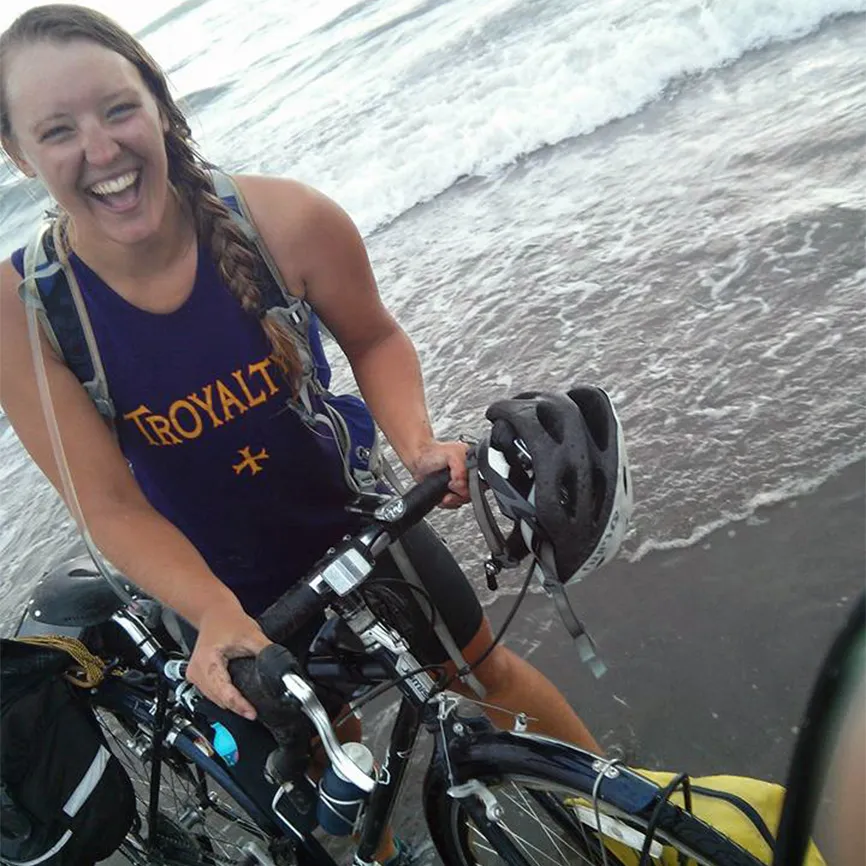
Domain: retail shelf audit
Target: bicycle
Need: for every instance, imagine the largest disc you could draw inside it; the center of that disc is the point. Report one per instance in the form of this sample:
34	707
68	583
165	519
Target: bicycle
489	795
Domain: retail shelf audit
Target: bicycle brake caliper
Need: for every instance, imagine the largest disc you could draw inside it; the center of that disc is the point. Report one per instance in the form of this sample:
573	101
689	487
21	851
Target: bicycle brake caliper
474	788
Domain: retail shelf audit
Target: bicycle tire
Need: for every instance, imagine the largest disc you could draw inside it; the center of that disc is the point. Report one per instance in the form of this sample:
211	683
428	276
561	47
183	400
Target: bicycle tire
531	801
198	823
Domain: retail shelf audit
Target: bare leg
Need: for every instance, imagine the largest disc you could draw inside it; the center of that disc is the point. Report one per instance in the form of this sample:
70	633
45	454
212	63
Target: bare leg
516	685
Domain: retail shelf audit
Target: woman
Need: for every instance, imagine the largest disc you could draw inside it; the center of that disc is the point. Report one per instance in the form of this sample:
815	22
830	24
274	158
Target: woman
170	287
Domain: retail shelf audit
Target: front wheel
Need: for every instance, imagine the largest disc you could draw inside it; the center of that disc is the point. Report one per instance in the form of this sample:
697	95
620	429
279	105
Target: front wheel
545	823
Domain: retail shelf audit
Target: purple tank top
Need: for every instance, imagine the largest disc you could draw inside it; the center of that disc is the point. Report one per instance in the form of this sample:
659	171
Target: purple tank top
205	420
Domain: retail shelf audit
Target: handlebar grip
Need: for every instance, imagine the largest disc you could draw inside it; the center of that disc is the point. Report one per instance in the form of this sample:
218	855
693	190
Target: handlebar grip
421	499
282	715
272	664
291	612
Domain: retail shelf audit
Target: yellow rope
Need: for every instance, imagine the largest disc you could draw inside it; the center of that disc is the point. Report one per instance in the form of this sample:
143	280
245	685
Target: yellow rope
89	670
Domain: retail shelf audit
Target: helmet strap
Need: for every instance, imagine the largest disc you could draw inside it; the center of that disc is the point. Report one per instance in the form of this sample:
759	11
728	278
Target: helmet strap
504	553
585	645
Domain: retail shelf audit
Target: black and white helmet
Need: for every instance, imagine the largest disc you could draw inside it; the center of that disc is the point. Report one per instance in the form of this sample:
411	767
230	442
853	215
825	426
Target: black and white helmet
557	468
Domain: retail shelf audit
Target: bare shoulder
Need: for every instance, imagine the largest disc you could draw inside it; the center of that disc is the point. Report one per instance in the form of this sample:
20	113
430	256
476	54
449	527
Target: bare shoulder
12	308
299	224
14	343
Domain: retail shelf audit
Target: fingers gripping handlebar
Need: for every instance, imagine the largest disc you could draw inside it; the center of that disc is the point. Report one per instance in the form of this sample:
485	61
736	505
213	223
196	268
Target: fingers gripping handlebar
278	711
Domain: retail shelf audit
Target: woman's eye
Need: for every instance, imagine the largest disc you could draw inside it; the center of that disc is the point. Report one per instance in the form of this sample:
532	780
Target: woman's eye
122	109
54	133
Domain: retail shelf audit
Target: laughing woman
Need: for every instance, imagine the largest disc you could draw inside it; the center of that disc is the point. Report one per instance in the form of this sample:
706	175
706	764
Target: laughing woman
232	497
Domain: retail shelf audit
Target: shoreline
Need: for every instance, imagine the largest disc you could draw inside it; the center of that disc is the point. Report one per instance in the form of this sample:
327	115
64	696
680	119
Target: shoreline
711	650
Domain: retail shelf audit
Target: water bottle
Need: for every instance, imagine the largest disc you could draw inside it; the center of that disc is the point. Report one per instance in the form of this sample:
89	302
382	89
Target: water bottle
340	800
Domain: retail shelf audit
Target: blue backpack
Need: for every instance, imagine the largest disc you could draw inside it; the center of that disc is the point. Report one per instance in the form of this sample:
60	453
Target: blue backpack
50	285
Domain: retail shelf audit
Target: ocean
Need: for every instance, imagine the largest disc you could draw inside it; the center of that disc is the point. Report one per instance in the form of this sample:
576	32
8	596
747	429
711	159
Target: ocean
664	198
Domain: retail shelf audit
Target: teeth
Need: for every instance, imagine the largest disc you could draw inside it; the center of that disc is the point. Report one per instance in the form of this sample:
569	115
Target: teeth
118	184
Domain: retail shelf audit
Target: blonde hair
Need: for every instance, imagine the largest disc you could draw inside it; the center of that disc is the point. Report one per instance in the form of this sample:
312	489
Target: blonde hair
236	259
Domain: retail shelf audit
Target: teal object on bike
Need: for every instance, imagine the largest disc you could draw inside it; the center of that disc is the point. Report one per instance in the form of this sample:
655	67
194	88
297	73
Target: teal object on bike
225	744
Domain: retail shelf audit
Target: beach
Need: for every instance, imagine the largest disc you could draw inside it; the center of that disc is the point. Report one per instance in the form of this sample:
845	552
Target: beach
664	199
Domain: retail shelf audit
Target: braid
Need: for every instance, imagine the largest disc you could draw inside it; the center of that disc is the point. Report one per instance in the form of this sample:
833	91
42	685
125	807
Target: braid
236	261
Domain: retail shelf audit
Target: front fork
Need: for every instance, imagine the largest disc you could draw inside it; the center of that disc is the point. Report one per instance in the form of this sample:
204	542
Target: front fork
477	800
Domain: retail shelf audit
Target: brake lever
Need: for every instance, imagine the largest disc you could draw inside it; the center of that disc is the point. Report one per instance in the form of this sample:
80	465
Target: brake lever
300	689
279	672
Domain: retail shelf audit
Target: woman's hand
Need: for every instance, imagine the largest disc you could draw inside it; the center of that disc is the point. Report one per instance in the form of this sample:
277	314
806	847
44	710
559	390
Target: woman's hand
225	633
438	455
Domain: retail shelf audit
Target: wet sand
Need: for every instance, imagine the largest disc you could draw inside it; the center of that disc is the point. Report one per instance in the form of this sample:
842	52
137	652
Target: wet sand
712	650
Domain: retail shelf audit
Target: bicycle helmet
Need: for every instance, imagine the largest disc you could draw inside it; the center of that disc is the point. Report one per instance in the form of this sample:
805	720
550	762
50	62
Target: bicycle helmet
556	466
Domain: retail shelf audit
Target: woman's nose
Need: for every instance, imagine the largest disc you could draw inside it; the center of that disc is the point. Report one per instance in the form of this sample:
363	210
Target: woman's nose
100	146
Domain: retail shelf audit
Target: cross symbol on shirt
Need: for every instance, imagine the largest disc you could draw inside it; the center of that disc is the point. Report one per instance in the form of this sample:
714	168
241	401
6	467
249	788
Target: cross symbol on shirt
250	461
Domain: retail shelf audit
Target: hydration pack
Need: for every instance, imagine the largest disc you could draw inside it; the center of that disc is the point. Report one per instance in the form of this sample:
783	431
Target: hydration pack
50	285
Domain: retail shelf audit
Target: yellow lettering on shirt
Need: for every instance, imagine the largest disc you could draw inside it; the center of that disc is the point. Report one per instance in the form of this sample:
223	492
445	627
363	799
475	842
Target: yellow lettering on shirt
206	404
134	416
238	376
162	427
185	406
262	367
228	399
186	417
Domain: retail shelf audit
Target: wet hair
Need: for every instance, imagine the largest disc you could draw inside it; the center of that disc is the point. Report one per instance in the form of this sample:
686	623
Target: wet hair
236	259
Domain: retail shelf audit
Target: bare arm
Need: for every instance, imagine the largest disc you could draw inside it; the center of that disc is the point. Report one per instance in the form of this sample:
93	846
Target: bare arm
318	248
127	529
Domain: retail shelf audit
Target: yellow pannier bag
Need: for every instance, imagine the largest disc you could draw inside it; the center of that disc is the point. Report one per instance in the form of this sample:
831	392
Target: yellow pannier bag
745	810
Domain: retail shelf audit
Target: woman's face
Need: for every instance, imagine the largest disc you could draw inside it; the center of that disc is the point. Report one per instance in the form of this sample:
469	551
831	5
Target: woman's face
84	122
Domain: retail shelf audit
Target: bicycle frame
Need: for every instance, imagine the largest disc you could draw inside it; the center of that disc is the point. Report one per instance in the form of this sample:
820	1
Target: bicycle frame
279	818
463	749
468	754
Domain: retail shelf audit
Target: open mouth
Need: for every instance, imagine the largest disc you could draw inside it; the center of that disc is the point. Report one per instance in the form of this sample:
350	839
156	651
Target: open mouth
120	194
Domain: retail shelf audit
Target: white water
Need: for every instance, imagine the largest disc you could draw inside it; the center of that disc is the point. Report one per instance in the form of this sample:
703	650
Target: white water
699	257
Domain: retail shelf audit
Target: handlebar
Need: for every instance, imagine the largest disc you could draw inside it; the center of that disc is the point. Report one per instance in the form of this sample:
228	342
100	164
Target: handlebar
346	567
271	682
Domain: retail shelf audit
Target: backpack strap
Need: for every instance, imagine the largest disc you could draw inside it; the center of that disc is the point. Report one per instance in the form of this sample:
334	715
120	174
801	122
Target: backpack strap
50	285
277	300
231	197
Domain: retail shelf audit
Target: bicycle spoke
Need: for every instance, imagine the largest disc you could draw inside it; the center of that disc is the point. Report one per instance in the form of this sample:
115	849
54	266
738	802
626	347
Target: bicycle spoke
194	820
527	806
529	830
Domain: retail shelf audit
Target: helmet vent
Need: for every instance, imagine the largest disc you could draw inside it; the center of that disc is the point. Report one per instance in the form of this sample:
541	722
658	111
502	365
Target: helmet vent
567	488
596	416
551	421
